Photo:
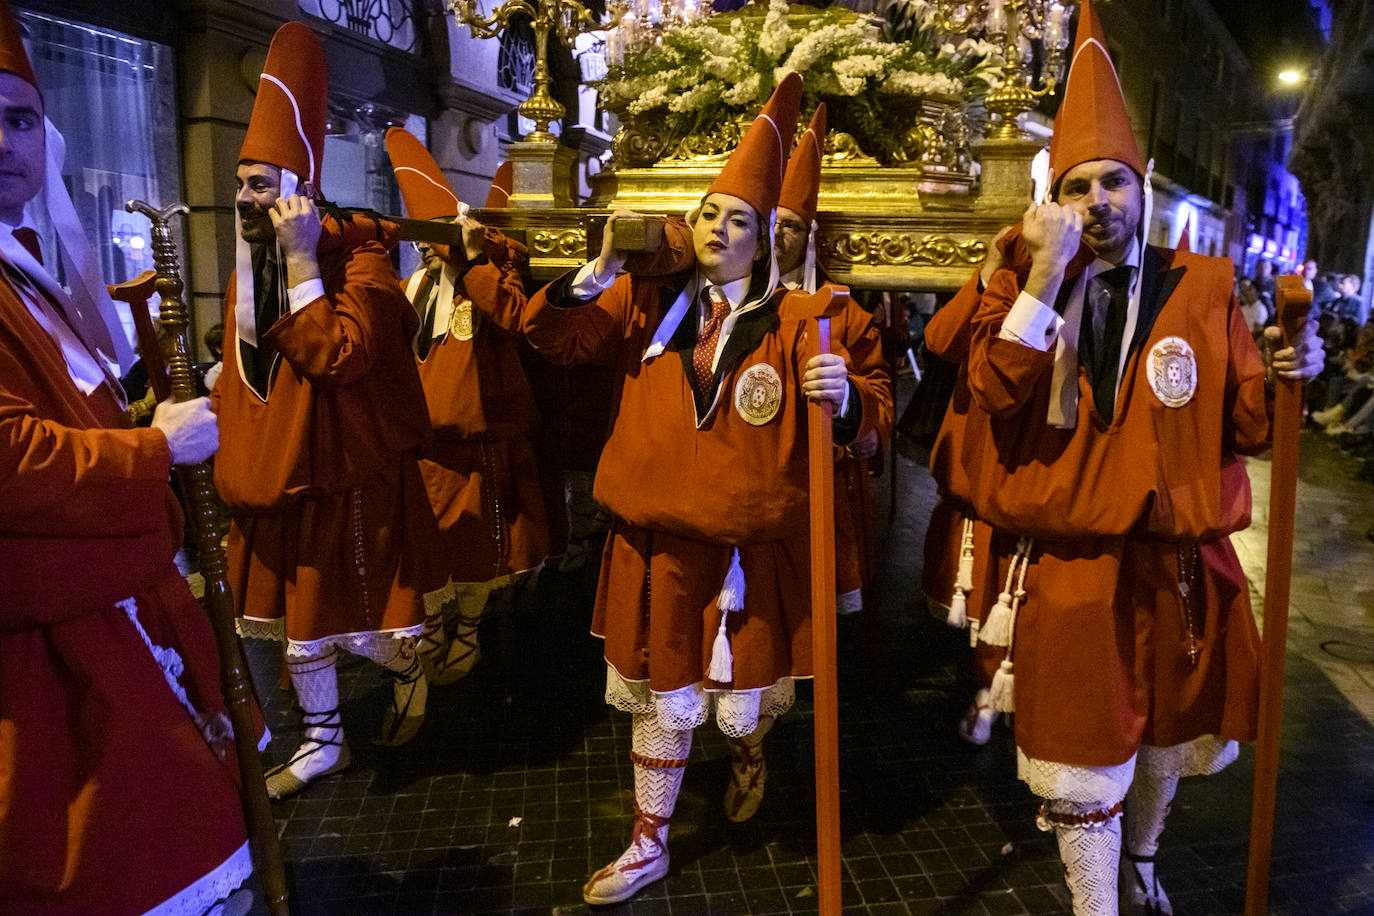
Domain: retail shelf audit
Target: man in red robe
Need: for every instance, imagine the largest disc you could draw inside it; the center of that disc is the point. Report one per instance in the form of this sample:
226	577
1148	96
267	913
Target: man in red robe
321	414
704	474
118	781
480	470
1113	386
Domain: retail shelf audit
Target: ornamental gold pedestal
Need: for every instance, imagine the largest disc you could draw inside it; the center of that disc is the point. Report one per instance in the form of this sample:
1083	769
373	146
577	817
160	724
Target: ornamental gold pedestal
913	227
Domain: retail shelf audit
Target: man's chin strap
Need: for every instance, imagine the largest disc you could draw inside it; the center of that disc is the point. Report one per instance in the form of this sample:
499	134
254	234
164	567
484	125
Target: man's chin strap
99	320
810	280
245	311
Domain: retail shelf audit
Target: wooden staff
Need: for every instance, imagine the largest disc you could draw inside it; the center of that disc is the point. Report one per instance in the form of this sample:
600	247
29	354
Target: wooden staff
821	452
197	486
1294	301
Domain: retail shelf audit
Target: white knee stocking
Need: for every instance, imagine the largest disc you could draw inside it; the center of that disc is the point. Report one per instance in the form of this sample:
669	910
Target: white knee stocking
659	755
317	688
1089	838
1147	806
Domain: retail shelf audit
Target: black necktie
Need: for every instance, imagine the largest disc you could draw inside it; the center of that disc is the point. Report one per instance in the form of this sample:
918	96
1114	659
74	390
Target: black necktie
1103	324
29	239
428	296
267	299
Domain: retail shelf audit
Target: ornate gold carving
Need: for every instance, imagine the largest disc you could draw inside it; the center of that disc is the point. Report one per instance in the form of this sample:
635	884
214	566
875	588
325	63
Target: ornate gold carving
636	146
560	243
895	248
842	147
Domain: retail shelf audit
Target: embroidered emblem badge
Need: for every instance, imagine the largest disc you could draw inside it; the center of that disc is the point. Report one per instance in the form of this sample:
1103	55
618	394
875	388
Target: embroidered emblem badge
463	323
758	394
1173	371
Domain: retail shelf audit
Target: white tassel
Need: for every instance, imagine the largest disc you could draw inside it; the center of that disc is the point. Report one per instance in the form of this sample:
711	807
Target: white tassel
732	591
973	633
963	579
1000	623
731	599
958	610
996	629
1003	692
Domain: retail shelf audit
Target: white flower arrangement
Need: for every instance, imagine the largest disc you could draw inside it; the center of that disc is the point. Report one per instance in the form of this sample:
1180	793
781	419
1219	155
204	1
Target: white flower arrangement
694	78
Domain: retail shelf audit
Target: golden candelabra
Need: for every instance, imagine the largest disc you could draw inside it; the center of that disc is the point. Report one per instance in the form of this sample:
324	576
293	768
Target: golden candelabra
1018	26
567	18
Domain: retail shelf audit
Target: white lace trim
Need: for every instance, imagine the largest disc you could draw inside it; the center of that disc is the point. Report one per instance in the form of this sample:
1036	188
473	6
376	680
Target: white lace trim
260	628
850	602
737	711
357	643
435	600
209	889
1105	786
1204	756
1100	787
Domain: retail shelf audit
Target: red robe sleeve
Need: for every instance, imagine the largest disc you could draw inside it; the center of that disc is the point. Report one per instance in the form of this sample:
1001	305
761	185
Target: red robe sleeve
570	331
331	341
63	480
1003	374
860	343
1248	409
949	332
494	286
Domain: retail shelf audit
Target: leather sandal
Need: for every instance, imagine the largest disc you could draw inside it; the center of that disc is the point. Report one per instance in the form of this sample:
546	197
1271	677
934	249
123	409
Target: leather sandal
748	774
617	881
283	783
399	725
1145	899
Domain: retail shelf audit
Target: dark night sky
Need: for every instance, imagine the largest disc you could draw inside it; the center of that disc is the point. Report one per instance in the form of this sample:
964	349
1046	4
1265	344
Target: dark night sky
1274	34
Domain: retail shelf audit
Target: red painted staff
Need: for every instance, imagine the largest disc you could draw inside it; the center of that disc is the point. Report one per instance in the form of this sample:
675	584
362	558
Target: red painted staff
821	305
1293	301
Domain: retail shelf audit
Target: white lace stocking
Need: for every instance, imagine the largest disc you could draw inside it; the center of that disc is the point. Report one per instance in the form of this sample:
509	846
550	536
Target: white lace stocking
317	689
1147	803
1089	838
656	787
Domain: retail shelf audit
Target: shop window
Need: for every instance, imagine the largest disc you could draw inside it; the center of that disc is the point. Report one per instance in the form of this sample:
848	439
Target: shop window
113	98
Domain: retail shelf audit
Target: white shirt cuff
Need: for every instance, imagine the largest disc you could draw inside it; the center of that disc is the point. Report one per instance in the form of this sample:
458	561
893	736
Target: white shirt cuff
1032	323
587	284
302	294
844	402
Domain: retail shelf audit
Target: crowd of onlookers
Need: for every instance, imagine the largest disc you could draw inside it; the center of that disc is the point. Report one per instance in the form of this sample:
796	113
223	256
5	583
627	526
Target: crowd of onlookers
1340	400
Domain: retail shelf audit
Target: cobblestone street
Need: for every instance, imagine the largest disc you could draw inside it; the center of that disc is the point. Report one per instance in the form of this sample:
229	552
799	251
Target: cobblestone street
519	785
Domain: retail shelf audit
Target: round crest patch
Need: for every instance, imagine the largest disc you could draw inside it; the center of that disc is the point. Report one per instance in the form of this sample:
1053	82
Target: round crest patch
1173	371
758	394
463	323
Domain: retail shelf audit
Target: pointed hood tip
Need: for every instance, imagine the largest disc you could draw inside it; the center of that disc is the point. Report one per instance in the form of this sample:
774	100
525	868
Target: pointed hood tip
1093	121
754	171
290	113
425	189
